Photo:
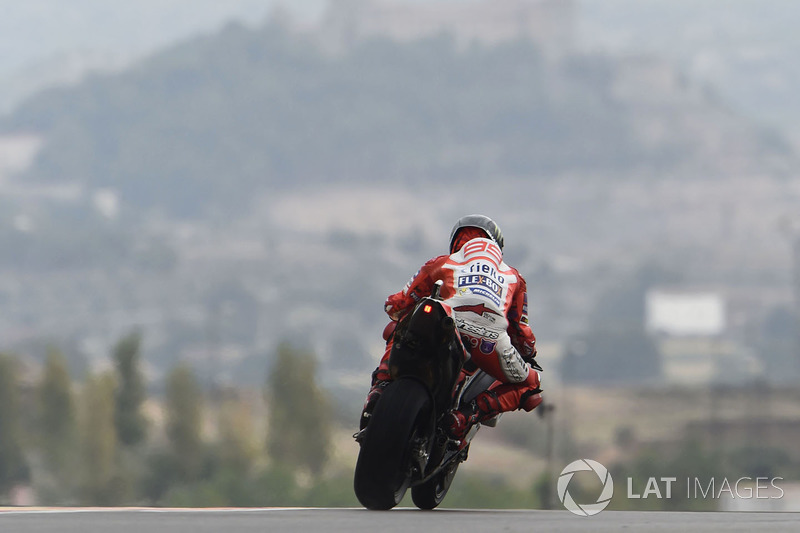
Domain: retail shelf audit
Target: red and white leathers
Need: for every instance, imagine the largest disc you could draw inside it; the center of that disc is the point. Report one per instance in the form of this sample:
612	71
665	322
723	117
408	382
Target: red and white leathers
490	307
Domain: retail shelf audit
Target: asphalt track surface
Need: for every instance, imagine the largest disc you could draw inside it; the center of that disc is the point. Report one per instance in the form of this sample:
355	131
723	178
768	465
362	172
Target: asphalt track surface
395	521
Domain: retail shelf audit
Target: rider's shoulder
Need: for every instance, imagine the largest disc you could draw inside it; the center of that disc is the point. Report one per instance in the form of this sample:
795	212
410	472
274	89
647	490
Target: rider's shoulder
438	259
515	272
434	262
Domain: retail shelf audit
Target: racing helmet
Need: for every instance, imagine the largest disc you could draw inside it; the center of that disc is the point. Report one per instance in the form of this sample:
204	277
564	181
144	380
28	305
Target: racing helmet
482	222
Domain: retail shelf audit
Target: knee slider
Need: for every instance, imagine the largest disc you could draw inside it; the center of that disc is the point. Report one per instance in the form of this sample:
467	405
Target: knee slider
531	398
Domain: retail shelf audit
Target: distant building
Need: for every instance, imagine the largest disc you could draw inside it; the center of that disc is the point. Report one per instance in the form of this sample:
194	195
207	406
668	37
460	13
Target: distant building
17	153
548	23
685	314
689	327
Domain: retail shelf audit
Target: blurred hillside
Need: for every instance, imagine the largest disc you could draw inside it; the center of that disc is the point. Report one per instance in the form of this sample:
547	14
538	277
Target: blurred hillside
268	110
256	185
745	51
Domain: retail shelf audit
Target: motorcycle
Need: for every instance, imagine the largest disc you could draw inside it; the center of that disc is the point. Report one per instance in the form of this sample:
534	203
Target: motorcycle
405	443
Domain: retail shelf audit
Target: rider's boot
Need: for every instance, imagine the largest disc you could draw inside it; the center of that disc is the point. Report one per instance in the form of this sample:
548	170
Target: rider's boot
482	408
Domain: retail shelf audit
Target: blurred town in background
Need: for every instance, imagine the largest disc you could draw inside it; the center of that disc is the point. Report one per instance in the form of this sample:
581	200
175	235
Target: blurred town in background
199	225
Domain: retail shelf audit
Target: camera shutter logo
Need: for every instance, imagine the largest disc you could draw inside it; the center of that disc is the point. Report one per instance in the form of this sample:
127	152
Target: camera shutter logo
603	500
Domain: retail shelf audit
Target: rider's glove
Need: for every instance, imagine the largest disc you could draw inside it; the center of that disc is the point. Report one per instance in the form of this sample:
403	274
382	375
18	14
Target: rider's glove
396	305
531	358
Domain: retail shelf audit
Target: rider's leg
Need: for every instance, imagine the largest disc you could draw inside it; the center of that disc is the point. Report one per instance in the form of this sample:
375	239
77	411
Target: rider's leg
499	398
517	387
525	395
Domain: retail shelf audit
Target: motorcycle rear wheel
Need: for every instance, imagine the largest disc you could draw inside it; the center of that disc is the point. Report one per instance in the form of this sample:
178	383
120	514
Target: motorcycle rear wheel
384	462
430	494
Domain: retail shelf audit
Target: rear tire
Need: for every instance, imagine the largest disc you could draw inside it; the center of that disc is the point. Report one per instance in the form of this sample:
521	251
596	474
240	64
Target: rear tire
382	470
430	494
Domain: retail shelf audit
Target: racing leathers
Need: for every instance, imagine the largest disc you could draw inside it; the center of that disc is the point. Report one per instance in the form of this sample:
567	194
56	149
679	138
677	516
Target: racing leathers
490	308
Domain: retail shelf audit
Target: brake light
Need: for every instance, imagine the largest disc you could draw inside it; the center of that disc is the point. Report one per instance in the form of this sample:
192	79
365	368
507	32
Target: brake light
428	308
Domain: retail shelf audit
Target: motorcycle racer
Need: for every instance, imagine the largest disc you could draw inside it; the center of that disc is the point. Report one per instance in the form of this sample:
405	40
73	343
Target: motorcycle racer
489	302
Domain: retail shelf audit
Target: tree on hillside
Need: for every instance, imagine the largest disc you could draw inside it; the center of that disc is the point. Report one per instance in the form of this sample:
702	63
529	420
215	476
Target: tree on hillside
237	445
13	467
184	423
57	421
130	424
99	482
299	414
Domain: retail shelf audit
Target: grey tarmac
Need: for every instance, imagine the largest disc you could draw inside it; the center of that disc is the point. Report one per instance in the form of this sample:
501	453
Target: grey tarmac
147	520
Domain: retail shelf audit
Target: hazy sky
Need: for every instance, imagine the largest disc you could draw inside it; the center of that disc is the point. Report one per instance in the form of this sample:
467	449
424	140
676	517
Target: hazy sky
37	30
